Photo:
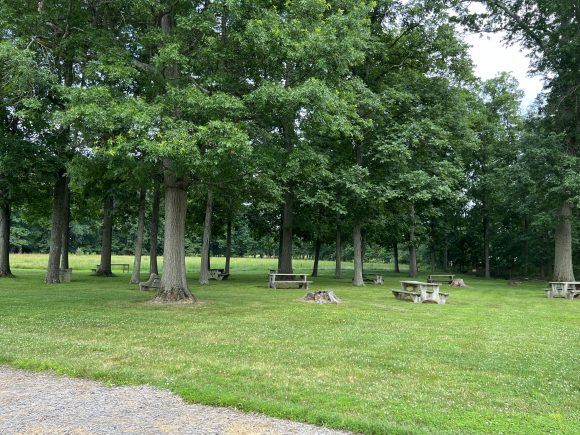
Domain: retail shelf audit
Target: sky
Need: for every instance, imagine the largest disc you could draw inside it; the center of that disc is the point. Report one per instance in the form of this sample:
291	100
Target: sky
491	57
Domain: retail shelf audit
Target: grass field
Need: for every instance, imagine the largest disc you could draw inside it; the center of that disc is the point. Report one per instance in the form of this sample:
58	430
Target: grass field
494	359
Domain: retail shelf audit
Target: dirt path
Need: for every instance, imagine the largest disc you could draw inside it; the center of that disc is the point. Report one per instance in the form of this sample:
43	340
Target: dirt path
41	403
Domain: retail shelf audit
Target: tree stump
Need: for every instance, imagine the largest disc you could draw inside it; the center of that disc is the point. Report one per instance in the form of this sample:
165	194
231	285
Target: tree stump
458	283
322	297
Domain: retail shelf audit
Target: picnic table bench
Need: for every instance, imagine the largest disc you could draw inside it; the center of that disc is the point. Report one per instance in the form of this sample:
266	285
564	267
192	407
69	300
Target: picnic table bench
288	280
125	266
421	292
153	283
218	274
441	278
563	289
375	278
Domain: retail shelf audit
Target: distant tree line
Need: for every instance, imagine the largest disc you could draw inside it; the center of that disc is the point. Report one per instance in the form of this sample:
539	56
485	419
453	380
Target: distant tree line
287	128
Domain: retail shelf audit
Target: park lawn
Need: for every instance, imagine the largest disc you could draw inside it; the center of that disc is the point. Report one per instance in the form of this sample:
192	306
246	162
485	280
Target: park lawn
495	358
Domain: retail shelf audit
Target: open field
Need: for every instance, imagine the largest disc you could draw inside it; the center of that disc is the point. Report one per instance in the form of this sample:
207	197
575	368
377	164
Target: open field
496	358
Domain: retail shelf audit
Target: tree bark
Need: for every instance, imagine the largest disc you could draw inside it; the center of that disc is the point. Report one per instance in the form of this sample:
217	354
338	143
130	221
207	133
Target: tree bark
287	226
445	256
204	268
58	207
433	260
412	248
317	245
228	246
5	241
153	268
396	257
173	282
486	246
358	264
136	276
563	268
64	264
338	254
104	268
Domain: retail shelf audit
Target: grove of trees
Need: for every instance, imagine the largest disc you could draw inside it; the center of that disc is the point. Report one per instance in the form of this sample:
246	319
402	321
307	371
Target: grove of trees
339	129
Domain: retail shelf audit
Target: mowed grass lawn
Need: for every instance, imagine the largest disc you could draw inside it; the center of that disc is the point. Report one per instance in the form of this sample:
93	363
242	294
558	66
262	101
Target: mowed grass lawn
495	358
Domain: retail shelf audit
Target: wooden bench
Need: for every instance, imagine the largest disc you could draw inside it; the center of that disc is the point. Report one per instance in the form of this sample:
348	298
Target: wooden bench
428	292
443	279
153	283
375	278
568	290
404	294
125	266
288	280
218	274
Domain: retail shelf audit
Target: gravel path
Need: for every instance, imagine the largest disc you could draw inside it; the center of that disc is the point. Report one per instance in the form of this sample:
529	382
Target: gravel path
40	403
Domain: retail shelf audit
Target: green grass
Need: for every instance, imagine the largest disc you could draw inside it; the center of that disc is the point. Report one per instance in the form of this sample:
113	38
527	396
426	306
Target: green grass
496	358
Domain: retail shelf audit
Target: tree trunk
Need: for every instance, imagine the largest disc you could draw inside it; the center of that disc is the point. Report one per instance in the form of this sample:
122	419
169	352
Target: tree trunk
104	268
287	226
58	207
486	246
412	248
228	246
5	241
64	264
317	245
433	260
358	264
338	255
526	253
445	257
204	268
153	268
173	282
396	257
136	276
563	268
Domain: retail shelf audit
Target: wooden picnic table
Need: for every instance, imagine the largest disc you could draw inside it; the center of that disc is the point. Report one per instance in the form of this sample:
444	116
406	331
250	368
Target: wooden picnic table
125	266
218	274
441	278
421	292
563	289
288	280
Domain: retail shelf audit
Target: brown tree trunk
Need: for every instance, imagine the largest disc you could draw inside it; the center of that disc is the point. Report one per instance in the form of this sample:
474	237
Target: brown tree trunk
228	246
153	268
445	257
287	226
396	257
358	263
5	241
526	253
433	260
173	282
412	248
136	276
64	264
104	268
204	268
58	207
486	246
563	268
317	245
338	254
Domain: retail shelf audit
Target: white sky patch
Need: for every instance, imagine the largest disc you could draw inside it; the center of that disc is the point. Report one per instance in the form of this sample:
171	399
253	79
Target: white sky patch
491	57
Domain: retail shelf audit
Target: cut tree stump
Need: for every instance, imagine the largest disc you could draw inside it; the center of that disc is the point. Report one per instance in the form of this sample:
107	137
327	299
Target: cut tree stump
458	283
322	297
